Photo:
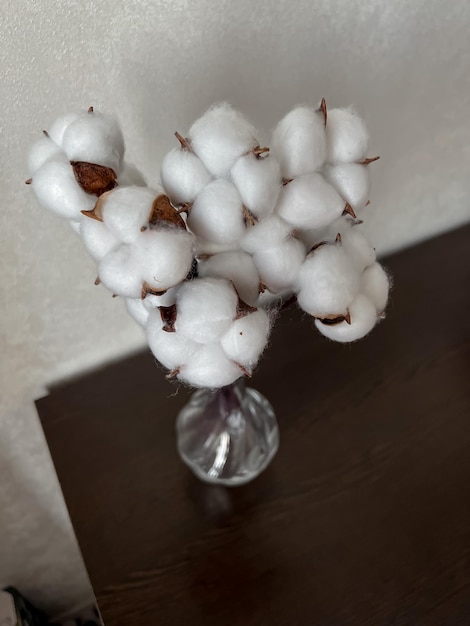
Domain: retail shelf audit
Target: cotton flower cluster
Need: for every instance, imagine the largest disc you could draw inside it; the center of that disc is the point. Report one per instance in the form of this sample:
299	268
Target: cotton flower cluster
234	229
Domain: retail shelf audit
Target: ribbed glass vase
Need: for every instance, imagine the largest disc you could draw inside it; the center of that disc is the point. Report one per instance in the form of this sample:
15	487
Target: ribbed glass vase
227	436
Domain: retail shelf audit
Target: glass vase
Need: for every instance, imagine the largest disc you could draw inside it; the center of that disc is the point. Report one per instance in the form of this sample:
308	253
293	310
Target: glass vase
227	436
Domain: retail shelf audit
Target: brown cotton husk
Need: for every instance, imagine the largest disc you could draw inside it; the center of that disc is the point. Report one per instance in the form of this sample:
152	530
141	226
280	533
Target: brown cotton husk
259	151
168	315
148	289
244	309
97	212
323	110
173	373
164	211
244	370
184	142
348	210
248	217
332	320
94	179
316	246
369	160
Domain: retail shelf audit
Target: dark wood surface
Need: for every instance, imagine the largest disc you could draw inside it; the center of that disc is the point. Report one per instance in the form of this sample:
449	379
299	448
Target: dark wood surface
362	519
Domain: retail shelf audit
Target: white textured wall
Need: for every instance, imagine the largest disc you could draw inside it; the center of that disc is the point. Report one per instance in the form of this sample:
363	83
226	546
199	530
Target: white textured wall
158	64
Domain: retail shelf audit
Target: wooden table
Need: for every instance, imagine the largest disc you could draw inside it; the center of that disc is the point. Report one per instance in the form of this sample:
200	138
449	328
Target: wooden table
362	519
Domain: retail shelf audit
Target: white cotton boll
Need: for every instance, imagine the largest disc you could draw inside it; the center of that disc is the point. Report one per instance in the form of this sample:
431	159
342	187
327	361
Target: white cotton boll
95	138
126	210
136	309
258	181
347	138
131	176
363	319
375	285
351	181
278	267
40	152
327	282
183	175
299	141
172	350
220	137
56	189
217	213
58	128
97	238
163	256
209	367
246	338
309	202
120	274
236	266
206	308
268	233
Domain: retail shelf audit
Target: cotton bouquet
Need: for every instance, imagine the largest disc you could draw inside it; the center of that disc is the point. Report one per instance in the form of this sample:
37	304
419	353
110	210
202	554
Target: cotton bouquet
206	258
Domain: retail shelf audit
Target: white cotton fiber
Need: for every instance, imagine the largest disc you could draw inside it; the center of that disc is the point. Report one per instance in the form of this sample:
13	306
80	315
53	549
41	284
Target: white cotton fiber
40	152
120	274
236	266
216	214
246	339
131	176
375	285
258	181
299	141
220	137
327	282
206	307
207	248
309	202
347	138
358	248
136	309
209	367
363	319
351	181
125	210
268	233
95	138
164	257
278	267
56	189
58	128
97	238
183	175
172	350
